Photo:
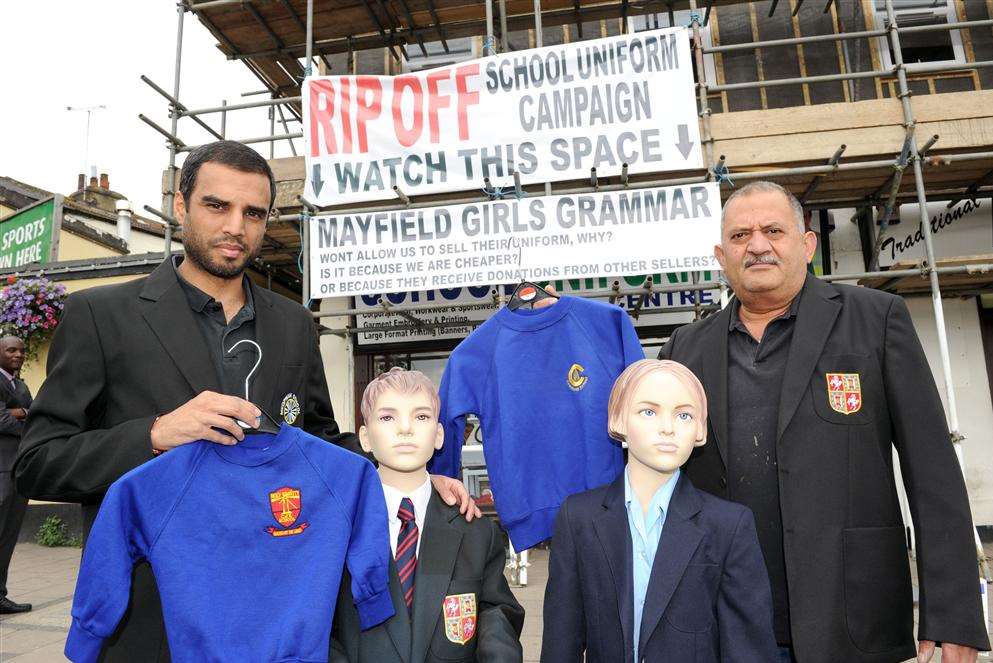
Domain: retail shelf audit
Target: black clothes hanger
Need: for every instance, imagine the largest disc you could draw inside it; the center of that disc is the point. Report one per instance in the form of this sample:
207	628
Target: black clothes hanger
267	423
527	294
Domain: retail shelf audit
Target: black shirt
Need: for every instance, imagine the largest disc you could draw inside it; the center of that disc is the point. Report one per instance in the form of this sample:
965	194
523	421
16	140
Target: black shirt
755	378
220	335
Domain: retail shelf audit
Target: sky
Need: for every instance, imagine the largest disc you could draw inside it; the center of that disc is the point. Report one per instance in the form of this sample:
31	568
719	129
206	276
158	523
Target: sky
59	53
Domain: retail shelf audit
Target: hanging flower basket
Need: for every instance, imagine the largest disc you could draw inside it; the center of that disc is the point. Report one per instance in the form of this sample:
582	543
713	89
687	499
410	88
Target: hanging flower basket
30	309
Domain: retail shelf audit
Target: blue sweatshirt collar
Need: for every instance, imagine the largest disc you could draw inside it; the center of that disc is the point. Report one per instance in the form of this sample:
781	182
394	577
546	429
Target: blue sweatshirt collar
257	448
525	319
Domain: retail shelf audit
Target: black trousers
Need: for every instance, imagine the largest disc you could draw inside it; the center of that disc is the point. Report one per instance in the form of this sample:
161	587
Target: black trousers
12	507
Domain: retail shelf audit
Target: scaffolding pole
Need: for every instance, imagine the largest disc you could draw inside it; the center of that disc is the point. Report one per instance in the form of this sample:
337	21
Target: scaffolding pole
939	312
707	137
310	36
170	197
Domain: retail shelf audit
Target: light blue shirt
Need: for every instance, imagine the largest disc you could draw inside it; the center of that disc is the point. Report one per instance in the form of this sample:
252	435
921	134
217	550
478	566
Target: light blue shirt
646	532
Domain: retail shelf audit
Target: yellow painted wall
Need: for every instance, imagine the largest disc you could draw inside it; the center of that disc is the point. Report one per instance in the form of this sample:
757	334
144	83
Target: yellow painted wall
74	247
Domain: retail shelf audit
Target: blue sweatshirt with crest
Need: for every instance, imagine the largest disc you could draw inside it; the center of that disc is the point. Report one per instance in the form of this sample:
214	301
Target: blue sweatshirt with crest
539	381
247	544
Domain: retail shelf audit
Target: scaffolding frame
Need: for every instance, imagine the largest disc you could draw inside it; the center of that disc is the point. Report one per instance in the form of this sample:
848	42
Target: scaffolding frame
910	157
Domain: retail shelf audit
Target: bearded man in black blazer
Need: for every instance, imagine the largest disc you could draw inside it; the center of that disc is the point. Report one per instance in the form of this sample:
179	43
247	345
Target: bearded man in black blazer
139	368
811	385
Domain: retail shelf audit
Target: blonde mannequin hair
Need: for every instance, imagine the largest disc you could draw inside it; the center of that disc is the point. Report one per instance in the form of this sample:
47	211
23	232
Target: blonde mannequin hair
628	381
402	381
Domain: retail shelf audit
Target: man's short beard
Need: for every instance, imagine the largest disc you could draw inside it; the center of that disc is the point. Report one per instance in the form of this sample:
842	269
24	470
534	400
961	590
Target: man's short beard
197	251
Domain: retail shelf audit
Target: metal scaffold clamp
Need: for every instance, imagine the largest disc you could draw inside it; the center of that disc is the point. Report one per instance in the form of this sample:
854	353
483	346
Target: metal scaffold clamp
722	173
492	192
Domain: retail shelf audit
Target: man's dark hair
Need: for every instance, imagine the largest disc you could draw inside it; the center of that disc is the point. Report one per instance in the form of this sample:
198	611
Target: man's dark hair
228	153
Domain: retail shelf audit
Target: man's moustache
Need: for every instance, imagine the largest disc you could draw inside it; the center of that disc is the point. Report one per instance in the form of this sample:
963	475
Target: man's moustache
761	260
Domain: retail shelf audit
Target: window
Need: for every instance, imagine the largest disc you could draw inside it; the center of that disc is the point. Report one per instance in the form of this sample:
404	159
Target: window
680	18
921	48
459	50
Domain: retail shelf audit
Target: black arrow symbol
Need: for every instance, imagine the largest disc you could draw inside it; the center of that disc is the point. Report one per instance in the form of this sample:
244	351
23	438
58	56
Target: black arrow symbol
318	183
685	144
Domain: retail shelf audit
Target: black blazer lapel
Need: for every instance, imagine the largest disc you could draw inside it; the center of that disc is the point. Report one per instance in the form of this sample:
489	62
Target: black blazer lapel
270	333
814	321
398	626
715	378
680	539
23	394
435	563
615	538
171	320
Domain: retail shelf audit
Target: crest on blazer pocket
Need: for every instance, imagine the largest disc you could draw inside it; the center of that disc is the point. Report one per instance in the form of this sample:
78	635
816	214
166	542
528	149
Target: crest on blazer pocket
844	392
290	408
459	611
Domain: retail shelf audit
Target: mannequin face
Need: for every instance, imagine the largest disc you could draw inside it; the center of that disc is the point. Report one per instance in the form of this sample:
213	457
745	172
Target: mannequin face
402	432
663	423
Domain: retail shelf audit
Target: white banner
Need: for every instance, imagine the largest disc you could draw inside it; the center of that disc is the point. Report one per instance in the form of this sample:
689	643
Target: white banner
963	229
549	114
640	231
473	305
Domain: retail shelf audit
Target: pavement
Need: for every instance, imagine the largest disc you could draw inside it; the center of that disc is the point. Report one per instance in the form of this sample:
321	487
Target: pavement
46	578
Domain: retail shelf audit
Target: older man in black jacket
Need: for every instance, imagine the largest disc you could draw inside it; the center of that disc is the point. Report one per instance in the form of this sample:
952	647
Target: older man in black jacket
140	368
811	385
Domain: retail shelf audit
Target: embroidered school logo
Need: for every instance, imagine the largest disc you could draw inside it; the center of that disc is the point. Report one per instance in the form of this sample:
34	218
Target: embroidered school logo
290	408
285	504
576	377
459	611
844	392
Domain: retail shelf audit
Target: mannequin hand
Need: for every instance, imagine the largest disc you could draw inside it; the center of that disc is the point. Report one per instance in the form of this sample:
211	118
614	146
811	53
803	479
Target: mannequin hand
452	492
950	652
198	418
548	301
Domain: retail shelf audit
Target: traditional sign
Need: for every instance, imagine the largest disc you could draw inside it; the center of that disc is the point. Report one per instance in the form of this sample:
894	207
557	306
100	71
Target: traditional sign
963	229
548	114
643	231
29	235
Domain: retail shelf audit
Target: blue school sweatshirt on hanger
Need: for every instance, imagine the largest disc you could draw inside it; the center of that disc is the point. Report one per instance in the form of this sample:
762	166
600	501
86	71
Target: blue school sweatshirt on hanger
247	544
539	381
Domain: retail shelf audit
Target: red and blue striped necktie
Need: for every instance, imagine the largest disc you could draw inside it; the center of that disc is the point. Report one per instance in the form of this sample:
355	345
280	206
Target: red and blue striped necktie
406	554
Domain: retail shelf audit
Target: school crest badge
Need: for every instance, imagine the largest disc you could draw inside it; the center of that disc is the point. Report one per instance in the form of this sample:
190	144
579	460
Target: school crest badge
576	377
285	503
844	392
290	408
459	611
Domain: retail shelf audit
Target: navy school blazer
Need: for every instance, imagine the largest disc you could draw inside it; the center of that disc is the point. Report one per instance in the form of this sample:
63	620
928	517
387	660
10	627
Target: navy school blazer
708	598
